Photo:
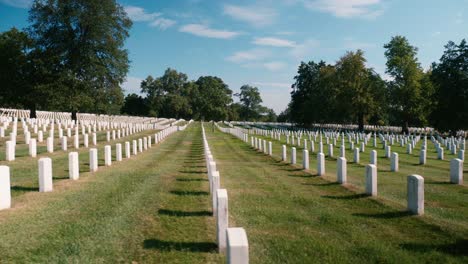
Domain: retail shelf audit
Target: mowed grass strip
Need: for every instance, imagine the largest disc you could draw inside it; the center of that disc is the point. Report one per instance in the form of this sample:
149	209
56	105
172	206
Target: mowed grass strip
24	169
295	217
444	202
153	208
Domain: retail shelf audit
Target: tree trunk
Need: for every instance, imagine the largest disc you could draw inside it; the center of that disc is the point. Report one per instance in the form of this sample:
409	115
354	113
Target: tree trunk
73	115
404	127
32	111
361	122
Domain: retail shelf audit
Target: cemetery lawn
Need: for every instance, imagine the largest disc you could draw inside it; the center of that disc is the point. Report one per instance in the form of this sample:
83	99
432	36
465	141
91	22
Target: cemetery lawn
152	208
292	216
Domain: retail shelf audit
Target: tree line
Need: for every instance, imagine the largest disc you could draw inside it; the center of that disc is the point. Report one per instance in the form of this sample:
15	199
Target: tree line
350	92
207	98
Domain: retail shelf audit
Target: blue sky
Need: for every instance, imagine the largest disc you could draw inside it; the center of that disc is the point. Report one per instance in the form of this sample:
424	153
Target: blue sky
262	42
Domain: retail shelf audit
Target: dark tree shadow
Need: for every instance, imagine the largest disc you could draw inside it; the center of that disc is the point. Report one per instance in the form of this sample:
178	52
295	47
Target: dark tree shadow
301	175
179	213
346	197
24	189
179	246
194	193
192	172
458	248
388	215
322	184
190	180
438	182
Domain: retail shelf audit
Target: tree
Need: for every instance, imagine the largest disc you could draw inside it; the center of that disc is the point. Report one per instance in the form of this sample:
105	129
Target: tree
213	98
250	99
450	78
80	46
358	88
15	66
135	105
403	67
169	95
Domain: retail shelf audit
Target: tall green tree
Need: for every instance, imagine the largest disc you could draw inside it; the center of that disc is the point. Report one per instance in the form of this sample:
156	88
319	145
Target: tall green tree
80	44
403	67
450	78
251	100
213	98
358	89
15	68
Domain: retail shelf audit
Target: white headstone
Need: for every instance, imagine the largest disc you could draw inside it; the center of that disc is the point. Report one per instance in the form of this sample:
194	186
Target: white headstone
93	160
293	155
456	171
107	155
283	151
32	147
394	166
341	170
373	157
371	179
45	175
356	155
118	152
320	164
73	166
10	151
222	218
305	159
416	194
237	246
5	191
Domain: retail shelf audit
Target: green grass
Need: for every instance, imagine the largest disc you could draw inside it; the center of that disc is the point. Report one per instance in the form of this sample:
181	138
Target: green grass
292	216
152	208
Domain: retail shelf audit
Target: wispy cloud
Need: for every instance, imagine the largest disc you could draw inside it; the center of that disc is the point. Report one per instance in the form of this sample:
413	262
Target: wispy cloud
304	49
274	65
274	42
435	34
255	16
17	3
249	55
205	31
154	19
162	23
139	14
347	8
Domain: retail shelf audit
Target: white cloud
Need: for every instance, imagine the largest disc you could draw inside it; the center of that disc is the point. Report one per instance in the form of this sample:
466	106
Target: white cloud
132	85
18	3
252	15
162	23
274	42
274	65
435	34
273	84
248	55
138	14
204	31
307	48
347	8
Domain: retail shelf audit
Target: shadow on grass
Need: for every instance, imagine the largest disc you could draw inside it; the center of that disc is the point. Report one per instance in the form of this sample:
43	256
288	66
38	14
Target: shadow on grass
459	248
192	172
24	189
179	213
322	184
179	246
194	193
388	215
301	175
190	180
438	182
346	197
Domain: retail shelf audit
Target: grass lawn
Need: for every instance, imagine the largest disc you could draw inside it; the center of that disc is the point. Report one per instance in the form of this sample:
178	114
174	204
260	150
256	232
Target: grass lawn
293	216
152	208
